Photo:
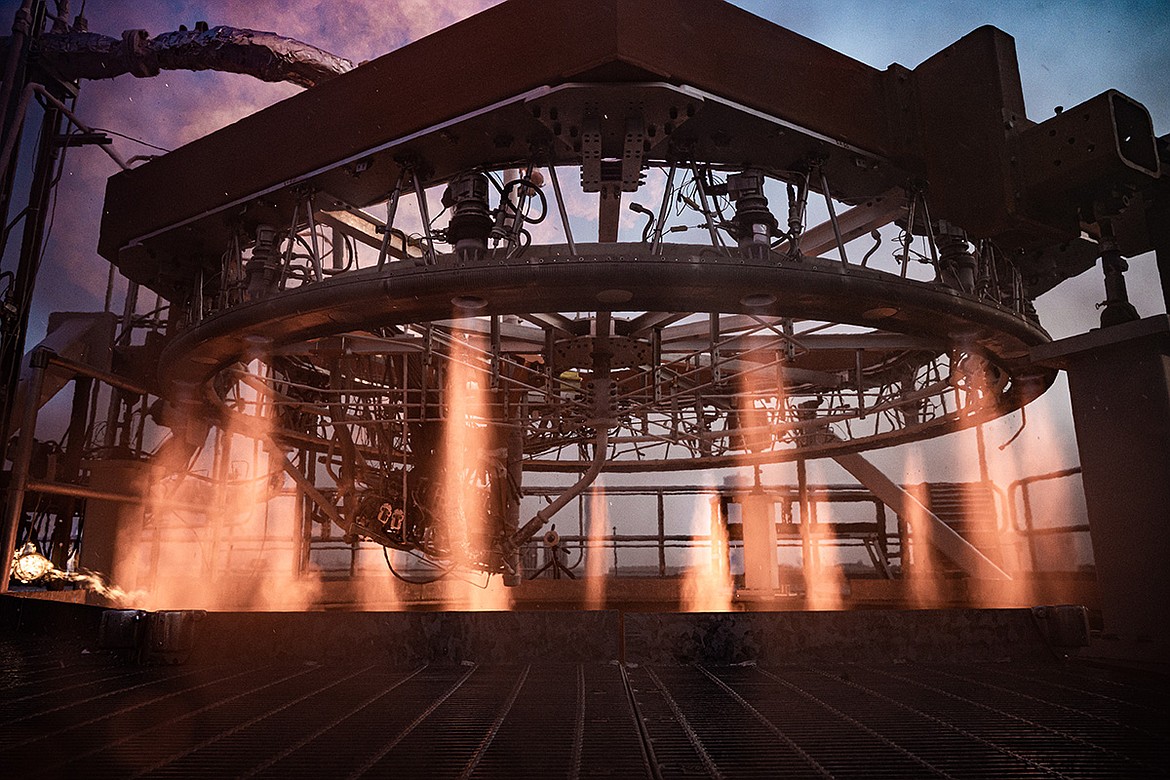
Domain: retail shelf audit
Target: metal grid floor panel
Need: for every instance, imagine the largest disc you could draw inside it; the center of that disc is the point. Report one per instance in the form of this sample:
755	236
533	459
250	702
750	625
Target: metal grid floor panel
64	714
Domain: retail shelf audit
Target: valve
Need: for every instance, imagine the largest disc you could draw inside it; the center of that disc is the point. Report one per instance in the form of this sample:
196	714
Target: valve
471	219
956	262
754	223
260	271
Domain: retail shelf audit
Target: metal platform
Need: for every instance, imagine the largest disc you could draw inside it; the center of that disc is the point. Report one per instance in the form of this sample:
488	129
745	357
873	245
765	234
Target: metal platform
67	711
65	714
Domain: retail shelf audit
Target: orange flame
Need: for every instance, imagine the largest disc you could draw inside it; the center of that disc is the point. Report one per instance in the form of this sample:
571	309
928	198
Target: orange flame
466	444
918	570
990	530
823	582
706	585
595	576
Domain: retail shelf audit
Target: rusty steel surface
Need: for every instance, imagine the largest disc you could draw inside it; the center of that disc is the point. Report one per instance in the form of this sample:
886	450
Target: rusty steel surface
556	281
627	42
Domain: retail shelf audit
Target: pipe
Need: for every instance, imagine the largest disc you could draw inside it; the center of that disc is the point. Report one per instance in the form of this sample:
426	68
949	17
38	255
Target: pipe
514	469
262	55
833	216
93	494
602	356
18	484
656	246
21	27
105	377
716	241
304	484
18	118
421	194
391	212
533	526
17	121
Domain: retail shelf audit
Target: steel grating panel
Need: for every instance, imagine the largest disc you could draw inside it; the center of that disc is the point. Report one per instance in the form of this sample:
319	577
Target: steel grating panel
903	720
64	713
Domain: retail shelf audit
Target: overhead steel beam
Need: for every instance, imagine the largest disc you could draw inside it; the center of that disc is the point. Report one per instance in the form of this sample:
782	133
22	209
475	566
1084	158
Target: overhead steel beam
352	226
552	321
644	323
853	223
877	342
403	92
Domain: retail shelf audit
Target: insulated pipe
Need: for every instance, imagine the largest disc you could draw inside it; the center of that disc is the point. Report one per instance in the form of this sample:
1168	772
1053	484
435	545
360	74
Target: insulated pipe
533	526
262	55
602	385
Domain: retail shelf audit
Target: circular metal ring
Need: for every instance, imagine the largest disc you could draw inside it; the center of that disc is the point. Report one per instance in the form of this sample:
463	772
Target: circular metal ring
692	279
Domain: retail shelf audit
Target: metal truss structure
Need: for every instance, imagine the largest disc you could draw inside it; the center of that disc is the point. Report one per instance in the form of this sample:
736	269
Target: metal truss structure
311	299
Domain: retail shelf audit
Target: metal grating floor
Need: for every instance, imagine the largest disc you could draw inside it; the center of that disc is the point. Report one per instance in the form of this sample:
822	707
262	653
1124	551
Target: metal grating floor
68	714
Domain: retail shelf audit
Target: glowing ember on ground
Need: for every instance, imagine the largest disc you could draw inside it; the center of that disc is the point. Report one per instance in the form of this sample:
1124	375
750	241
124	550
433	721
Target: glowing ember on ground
29	566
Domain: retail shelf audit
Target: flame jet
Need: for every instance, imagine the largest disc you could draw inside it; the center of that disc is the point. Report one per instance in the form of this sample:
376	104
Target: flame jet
467	466
706	584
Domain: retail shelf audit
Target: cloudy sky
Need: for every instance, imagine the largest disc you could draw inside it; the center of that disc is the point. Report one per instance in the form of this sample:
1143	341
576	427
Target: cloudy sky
1068	50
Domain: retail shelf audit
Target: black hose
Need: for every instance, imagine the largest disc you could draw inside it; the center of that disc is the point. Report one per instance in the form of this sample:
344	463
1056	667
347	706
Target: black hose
408	580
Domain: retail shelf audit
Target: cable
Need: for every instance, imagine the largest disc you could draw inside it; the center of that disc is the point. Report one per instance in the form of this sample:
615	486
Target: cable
531	187
407	580
877	237
1016	435
131	138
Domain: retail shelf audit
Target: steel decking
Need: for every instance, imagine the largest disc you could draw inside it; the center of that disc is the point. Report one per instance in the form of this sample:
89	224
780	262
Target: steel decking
67	713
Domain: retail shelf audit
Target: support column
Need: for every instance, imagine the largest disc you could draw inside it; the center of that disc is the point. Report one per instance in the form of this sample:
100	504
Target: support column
515	474
113	529
761	571
1119	383
18	478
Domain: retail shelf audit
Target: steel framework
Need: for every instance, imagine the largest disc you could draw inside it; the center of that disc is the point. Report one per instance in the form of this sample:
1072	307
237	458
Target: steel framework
310	299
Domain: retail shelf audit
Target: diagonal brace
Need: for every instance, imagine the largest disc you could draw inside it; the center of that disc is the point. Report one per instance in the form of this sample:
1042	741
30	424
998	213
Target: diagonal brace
946	539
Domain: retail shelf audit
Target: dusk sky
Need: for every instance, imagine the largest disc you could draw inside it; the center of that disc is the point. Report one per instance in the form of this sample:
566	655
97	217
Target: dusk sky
1068	52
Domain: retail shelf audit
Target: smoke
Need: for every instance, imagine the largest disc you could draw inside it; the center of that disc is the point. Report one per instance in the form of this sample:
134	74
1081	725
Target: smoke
220	529
919	572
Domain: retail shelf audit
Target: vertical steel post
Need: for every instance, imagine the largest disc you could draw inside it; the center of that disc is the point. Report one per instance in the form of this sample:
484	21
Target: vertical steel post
806	552
661	535
24	282
761	571
552	174
656	246
515	475
18	479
